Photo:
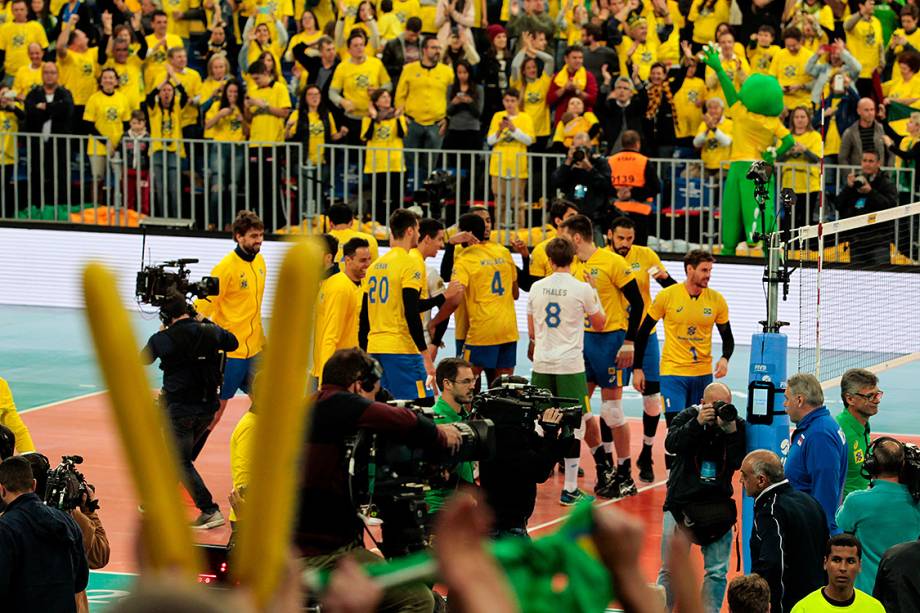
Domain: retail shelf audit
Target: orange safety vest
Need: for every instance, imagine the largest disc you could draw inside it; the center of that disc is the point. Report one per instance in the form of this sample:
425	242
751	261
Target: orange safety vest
627	169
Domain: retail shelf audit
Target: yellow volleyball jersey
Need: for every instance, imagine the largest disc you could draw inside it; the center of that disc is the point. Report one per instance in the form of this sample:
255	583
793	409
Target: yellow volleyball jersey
108	114
393	272
343	236
753	133
688	326
338	309
488	275
611	272
640	260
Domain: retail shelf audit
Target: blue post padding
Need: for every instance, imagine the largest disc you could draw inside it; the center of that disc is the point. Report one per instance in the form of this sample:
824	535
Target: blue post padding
768	363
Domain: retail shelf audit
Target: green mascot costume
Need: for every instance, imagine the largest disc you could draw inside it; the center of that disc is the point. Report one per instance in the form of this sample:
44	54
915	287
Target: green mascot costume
755	112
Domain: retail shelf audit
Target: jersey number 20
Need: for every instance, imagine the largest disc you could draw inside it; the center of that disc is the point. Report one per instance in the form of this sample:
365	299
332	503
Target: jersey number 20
378	290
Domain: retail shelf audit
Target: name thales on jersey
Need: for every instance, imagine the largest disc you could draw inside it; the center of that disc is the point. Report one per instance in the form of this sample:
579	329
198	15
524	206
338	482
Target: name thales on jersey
552	291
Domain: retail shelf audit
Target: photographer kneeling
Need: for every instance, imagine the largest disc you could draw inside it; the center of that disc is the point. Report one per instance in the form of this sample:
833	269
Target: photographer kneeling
328	526
708	445
189	350
584	179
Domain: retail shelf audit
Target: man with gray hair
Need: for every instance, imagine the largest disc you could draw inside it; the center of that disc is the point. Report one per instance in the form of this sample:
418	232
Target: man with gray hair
817	460
789	532
861	397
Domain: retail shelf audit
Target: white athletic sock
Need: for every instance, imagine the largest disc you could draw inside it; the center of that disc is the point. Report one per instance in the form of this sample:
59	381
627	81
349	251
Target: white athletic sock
621	461
571	474
593	449
648	440
608	447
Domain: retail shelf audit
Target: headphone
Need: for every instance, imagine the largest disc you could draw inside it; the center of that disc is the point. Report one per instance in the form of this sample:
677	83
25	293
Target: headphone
370	374
871	467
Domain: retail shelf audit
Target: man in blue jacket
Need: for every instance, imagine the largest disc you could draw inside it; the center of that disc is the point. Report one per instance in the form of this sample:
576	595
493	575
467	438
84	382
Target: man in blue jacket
817	460
42	563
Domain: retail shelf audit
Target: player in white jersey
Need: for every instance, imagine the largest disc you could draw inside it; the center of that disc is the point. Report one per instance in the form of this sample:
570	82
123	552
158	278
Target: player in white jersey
556	310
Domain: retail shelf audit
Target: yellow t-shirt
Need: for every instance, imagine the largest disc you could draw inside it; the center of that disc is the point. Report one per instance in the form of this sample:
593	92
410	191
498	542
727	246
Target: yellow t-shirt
154	63
539	262
534	96
688	114
753	133
817	603
644	56
191	81
338	310
343	236
761	58
734	69
790	70
712	153
210	89
422	92
166	127
228	129
393	272
404	9
640	260
178	27
903	90
565	133
795	174
265	127
9	125
78	72
318	136
509	155
864	41
706	20
368	47
10	418
611	272
488	275
130	79
108	113
389	27
242	449
688	326
913	38
26	79
384	145
15	39
356	81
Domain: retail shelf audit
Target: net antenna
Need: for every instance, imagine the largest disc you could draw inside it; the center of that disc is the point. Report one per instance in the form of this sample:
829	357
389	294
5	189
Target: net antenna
858	282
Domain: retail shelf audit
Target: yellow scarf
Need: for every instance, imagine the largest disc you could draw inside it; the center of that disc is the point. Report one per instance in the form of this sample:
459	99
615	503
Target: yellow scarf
580	78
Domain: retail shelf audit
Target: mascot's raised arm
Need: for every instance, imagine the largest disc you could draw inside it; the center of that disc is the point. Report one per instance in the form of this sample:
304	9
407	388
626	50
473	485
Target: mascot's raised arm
755	112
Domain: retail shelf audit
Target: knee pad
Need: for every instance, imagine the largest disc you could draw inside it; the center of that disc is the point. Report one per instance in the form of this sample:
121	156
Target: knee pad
652	388
612	413
651	405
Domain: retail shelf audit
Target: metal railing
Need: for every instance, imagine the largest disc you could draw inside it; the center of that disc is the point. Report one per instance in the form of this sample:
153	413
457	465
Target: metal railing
203	183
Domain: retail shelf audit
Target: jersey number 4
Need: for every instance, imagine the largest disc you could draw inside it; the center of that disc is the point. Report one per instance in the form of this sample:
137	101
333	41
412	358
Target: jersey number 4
378	290
497	288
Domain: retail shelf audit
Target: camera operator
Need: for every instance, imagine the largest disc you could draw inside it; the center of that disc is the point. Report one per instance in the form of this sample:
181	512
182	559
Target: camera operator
884	515
584	179
328	526
523	458
454	377
708	445
42	563
189	353
868	192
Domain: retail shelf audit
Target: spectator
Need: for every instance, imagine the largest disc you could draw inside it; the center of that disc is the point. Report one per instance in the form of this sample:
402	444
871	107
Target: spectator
229	126
866	134
460	49
455	17
78	64
585	182
384	130
389	24
509	135
137	163
906	36
828	62
866	42
404	49
49	110
789	532
861	396
789	69
422	96
164	106
575	121
704	16
842	563
757	13
29	76
352	83
707	452
817	460
867	192
657	97
748	594
366	22
115	53
688	100
11	116
41	548
320	69
533	19
597	55
107	112
897	583
158	43
638	51
623	113
177	57
905	90
714	137
761	55
534	87
800	170
15	38
495	69
570	22
465	100
572	81
884	515
734	64
635	183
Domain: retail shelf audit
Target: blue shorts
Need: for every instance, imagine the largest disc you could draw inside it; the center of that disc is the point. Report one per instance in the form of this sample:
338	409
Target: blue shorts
682	392
601	359
403	375
491	356
237	376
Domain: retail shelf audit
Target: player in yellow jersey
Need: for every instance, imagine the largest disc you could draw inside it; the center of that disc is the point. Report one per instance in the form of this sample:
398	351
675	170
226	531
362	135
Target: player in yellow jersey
608	353
489	278
559	211
690	310
391	324
238	307
341	219
10	418
645	266
430	242
338	308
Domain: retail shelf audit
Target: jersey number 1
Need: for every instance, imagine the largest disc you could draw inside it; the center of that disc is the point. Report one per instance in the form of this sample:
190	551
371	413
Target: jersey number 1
497	287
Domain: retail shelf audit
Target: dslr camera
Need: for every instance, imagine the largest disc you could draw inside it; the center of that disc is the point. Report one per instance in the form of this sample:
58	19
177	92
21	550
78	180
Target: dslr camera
66	486
860	181
580	154
156	283
514	402
725	411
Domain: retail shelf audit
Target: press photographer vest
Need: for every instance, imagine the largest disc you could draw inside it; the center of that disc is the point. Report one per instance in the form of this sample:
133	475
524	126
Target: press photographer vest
627	169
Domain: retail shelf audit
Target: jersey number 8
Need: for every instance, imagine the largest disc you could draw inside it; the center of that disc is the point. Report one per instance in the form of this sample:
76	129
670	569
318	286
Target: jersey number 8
553	311
381	287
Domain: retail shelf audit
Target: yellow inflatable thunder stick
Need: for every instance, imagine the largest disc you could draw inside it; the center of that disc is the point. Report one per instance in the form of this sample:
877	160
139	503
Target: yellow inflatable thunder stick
166	536
259	560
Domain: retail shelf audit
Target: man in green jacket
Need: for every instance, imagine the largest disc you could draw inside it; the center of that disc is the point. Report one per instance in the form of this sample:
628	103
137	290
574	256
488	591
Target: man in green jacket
861	397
